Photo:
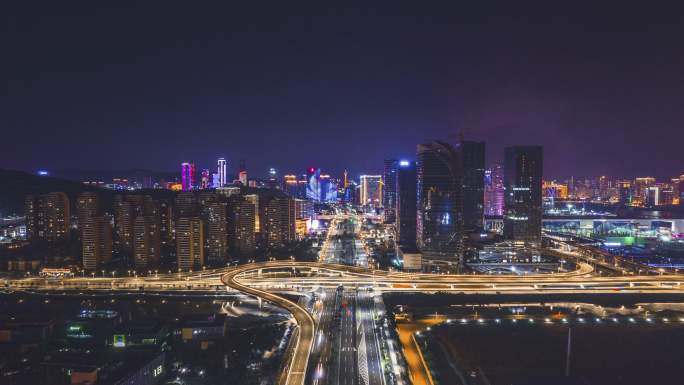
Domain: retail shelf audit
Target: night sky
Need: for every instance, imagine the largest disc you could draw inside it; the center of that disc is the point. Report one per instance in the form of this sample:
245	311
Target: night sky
285	85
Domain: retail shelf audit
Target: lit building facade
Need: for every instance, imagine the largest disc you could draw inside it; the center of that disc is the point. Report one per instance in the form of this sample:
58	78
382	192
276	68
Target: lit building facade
389	193
96	241
189	243
277	220
188	175
494	190
215	216
523	168
241	225
371	190
439	225
48	216
87	206
222	166
313	184
406	203
146	241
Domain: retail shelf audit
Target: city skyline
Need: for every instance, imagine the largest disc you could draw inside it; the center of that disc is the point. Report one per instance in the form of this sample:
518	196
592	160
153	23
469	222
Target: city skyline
217	95
281	193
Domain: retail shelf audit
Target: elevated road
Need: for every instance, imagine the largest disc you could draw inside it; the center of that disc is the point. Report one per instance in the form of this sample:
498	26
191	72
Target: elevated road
264	280
299	361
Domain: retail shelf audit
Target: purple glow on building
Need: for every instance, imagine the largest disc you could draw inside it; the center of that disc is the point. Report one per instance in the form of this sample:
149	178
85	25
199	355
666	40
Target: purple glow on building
187	176
494	191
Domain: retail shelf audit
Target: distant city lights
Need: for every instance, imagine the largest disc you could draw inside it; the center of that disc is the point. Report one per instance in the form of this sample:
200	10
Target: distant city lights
43	173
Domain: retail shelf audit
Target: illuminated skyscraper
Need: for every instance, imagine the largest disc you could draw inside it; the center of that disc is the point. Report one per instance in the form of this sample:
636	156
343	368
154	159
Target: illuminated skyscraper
523	168
406	203
371	190
494	191
187	176
221	171
439	226
328	189
389	191
189	243
313	184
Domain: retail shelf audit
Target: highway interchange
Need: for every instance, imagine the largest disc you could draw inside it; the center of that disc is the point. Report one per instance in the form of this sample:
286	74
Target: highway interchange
340	328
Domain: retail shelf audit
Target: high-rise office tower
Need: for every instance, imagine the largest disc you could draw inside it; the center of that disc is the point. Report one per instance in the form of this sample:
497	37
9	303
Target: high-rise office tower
406	203
241	220
523	168
371	190
48	216
277	220
473	166
328	189
313	184
222	167
214	214
96	240
494	190
389	191
188	176
146	241
189	243
439	227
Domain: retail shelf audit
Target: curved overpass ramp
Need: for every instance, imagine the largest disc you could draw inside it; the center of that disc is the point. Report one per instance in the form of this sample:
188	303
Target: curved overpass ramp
296	369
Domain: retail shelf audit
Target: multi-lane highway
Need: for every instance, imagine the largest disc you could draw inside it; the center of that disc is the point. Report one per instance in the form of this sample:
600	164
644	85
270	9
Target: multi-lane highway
347	368
343	337
341	242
